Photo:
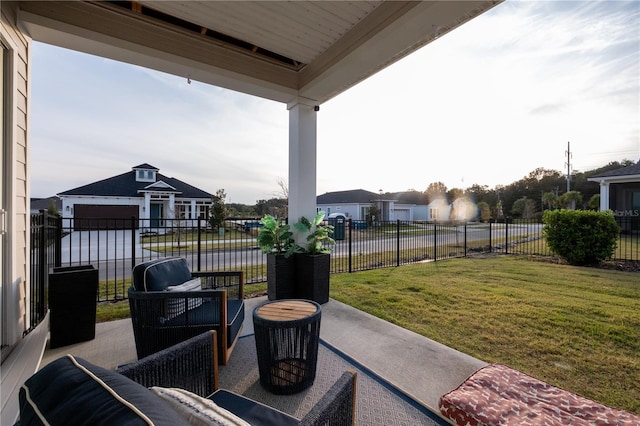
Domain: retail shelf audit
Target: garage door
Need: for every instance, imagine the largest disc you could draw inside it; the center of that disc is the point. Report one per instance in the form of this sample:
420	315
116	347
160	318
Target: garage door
92	217
402	214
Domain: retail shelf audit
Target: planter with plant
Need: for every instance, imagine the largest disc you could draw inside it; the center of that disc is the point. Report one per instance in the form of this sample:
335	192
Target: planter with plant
276	240
313	260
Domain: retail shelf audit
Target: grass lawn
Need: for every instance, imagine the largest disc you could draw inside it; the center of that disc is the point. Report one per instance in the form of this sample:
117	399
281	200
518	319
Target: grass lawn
574	327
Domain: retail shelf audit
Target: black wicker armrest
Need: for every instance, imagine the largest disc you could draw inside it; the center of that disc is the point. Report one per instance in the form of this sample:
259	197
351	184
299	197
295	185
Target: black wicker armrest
232	281
191	365
337	406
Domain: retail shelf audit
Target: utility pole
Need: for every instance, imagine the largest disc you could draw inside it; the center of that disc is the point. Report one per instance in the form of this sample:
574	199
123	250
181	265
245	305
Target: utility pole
568	164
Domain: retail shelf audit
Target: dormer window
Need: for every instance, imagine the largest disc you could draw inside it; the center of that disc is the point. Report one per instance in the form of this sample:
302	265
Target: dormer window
145	175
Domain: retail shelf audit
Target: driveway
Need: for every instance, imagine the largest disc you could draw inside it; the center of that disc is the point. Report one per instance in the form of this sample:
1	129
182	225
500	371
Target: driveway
95	246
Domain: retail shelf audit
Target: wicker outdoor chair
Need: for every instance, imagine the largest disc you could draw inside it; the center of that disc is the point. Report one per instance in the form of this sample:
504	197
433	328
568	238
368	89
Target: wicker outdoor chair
163	313
191	365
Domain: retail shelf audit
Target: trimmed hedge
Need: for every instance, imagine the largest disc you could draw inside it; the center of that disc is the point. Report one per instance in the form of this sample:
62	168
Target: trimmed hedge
581	237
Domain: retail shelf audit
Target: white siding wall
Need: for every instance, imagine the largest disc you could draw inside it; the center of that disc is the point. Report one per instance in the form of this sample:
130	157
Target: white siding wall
25	356
17	172
352	211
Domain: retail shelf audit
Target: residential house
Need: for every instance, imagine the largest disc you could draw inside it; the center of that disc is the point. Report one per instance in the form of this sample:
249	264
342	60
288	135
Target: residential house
406	206
620	190
142	193
234	45
354	204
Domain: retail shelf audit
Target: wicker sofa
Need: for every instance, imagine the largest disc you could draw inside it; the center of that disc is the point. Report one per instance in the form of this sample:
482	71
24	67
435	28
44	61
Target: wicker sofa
169	304
73	391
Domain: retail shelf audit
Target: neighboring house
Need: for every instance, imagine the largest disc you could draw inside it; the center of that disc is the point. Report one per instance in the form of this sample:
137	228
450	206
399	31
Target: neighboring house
620	190
354	204
438	209
142	193
409	205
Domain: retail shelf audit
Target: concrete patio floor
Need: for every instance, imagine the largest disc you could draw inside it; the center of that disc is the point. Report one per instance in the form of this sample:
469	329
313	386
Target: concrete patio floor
418	366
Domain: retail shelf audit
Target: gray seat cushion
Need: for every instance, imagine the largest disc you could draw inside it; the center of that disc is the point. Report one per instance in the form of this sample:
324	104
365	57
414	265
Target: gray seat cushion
208	313
158	274
72	391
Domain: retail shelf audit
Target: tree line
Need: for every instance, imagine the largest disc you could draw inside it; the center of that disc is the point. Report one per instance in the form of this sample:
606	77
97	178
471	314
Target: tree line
542	189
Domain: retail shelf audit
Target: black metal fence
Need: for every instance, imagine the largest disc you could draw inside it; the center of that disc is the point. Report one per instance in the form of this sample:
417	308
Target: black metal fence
113	246
45	242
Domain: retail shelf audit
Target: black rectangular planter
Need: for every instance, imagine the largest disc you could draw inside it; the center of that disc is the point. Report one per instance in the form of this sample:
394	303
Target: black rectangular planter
312	277
280	277
72	302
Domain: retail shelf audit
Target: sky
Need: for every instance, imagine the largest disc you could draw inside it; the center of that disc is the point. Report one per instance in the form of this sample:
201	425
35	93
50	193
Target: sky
502	95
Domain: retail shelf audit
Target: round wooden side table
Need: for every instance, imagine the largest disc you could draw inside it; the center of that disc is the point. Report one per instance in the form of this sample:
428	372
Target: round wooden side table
287	333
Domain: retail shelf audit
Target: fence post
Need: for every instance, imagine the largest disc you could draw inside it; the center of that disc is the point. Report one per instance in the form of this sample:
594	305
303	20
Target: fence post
350	257
58	242
397	242
43	265
435	241
133	241
490	236
199	243
465	239
506	235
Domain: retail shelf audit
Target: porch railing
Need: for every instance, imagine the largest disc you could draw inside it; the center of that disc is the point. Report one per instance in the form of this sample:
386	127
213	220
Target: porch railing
113	246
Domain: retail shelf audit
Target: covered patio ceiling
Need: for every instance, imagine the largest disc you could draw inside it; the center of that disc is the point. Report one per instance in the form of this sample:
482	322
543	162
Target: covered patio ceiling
280	50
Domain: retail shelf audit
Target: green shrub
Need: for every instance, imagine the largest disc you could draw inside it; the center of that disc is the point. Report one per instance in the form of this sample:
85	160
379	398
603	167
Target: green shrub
581	237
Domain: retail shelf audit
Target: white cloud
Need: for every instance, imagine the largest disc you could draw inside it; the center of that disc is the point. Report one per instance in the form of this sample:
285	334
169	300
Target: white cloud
498	98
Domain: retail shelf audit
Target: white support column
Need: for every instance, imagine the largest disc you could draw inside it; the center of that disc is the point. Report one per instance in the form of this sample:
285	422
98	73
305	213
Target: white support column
604	196
147	207
172	208
302	161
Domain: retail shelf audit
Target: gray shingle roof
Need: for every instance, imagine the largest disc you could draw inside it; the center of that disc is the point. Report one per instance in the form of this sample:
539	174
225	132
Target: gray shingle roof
360	196
125	185
145	166
351	196
624	171
410	197
44	203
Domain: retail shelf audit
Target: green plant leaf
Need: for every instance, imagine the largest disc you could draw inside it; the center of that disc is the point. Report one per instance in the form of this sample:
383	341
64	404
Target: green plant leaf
317	235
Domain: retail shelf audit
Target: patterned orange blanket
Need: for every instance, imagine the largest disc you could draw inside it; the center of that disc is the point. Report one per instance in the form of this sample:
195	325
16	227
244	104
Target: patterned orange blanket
499	395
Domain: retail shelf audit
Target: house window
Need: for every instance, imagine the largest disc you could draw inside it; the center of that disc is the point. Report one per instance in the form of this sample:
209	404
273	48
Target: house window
202	211
364	212
433	213
182	211
145	176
